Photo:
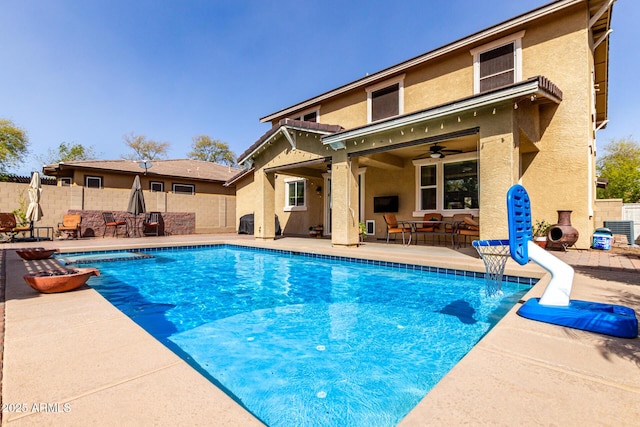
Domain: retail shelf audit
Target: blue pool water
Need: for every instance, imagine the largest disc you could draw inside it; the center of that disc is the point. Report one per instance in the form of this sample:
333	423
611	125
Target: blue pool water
301	340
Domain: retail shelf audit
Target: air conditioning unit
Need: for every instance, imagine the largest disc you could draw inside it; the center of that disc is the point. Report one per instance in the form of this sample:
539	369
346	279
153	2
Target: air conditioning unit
621	227
371	227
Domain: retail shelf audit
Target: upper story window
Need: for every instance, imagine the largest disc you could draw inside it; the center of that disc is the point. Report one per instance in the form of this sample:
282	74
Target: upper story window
295	194
385	99
93	181
498	63
308	116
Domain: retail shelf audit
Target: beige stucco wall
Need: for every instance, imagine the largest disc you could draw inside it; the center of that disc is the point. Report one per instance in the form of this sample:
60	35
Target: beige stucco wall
558	175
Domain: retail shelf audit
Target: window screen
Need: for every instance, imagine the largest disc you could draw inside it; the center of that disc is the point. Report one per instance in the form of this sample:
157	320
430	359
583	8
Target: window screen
497	67
385	102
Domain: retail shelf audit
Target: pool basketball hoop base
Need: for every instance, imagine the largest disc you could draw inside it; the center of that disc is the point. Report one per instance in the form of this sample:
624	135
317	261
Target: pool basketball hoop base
555	305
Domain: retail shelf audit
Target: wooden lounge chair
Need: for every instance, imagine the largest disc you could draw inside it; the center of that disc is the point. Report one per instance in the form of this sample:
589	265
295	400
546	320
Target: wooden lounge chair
394	228
70	225
110	221
9	225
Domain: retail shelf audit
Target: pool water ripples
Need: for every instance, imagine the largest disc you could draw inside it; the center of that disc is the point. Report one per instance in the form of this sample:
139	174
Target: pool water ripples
304	341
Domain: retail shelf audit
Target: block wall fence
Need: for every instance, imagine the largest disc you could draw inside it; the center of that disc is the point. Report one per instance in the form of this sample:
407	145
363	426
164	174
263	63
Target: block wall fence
203	213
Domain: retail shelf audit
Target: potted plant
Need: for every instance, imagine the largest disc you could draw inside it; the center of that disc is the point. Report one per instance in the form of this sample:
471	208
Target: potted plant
539	231
363	231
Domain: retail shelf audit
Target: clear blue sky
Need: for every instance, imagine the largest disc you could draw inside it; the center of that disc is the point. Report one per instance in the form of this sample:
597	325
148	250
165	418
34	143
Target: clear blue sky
91	71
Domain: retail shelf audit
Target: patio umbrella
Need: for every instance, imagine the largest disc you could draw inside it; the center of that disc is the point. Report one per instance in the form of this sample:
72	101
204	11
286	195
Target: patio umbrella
34	211
136	201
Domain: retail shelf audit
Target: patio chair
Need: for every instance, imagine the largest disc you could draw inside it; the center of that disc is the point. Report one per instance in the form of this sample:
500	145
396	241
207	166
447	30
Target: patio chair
9	225
429	227
469	227
151	224
110	221
393	227
70	225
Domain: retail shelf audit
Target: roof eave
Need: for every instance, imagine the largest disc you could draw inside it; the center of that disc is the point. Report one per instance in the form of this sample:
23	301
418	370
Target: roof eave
538	86
283	126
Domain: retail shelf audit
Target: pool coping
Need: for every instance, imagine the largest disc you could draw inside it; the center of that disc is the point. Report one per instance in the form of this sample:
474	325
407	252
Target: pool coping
476	391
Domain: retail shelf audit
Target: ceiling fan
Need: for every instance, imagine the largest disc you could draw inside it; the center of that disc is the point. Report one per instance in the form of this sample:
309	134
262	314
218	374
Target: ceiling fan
437	152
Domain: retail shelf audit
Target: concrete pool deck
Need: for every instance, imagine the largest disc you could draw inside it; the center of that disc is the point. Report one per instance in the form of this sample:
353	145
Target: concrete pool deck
74	359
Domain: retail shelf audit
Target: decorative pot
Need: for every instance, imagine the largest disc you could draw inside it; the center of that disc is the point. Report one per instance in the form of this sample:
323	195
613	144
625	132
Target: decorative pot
59	280
35	253
562	234
541	241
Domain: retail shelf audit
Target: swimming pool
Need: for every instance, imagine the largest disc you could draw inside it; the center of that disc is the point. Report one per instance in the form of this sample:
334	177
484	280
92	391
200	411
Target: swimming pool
305	340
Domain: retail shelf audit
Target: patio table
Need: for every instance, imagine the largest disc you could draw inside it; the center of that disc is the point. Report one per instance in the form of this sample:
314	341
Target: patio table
413	224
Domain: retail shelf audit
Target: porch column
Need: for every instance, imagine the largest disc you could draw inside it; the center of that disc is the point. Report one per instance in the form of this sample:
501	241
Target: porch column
344	193
498	170
264	214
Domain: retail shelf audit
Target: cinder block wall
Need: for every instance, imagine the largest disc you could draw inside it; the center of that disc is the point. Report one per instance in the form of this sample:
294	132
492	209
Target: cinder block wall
607	210
213	213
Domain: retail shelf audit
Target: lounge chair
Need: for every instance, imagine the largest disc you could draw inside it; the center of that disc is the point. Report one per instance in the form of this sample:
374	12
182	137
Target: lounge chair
70	225
394	228
110	221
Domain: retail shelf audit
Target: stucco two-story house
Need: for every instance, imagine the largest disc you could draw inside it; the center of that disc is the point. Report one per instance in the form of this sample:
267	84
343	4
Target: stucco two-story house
448	131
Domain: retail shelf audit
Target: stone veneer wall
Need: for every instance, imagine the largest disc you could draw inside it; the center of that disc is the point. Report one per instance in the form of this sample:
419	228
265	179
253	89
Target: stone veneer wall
171	223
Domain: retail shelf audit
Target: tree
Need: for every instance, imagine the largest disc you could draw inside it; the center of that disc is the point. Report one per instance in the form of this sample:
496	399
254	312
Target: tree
211	150
69	152
144	149
13	144
621	167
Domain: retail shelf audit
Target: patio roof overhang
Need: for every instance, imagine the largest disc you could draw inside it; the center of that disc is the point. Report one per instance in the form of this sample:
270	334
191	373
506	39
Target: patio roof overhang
537	89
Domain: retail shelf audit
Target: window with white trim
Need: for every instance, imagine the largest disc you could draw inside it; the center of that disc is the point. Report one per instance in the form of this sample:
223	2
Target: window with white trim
308	116
498	63
385	99
156	186
184	188
93	181
428	188
65	182
295	194
447	185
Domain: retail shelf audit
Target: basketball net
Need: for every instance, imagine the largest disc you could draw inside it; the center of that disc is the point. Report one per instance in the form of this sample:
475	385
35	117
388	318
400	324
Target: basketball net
494	253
